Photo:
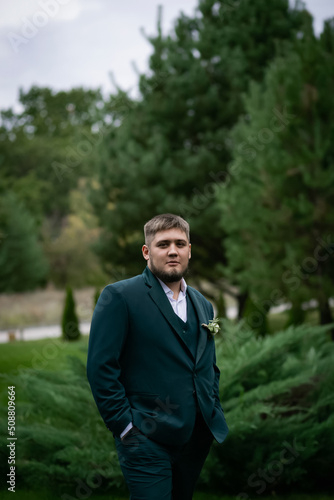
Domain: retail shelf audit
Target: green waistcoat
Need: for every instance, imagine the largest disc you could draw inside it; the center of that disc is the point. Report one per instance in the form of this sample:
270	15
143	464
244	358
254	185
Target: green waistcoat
190	329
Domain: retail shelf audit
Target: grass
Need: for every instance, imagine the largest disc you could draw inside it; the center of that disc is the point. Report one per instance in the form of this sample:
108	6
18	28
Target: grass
51	354
46	354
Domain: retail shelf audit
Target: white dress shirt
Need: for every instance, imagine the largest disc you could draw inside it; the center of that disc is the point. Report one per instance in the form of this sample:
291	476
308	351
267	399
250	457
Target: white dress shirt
179	306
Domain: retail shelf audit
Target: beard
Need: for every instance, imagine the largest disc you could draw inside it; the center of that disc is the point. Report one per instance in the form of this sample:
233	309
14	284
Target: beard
169	277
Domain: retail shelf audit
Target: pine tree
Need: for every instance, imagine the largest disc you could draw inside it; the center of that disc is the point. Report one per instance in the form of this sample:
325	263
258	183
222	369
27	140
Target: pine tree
171	150
97	294
277	211
70	322
278	399
23	265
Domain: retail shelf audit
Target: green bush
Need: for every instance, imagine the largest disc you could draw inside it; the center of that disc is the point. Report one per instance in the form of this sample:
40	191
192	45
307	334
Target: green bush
70	322
278	398
62	440
23	265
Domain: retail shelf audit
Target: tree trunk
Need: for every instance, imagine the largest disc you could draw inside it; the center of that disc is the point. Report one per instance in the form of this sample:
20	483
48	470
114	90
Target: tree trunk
220	304
326	314
241	298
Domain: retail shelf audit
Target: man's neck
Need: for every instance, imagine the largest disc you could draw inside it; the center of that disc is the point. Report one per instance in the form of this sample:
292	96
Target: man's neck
175	286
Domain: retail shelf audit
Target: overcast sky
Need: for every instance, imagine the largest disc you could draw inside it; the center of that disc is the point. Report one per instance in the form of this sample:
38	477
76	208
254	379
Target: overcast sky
67	43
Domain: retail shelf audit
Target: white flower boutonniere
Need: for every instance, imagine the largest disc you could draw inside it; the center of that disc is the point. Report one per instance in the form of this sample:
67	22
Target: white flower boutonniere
213	327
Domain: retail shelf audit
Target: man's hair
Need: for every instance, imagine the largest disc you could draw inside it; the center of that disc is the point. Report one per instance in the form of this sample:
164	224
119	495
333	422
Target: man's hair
163	222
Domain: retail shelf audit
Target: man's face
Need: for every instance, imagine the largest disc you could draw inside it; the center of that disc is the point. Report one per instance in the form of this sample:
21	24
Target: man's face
168	255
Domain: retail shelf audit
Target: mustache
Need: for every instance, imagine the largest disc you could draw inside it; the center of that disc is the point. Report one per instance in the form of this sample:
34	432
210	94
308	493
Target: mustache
169	277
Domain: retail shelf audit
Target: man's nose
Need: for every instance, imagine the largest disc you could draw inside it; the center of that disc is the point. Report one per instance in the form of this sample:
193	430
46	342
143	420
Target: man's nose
172	250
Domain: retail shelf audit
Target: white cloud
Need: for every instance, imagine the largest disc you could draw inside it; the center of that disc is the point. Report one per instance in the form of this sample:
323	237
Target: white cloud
14	14
70	11
86	39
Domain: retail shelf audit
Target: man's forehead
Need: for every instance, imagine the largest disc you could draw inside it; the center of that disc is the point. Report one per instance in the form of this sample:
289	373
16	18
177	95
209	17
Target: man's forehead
170	234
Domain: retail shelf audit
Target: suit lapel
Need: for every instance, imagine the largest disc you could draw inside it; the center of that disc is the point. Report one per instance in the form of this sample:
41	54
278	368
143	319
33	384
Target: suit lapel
158	295
202	318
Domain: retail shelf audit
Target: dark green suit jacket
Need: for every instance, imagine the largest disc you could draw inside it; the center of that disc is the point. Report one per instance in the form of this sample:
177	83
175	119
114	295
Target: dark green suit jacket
141	370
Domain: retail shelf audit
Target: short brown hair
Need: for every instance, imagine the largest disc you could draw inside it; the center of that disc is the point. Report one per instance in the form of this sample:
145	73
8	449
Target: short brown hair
161	223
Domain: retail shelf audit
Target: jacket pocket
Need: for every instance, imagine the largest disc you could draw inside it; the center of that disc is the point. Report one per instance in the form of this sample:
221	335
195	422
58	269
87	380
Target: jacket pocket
143	394
145	401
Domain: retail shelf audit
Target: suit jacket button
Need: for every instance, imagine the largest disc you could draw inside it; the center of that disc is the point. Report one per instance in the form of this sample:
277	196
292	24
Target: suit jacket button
194	393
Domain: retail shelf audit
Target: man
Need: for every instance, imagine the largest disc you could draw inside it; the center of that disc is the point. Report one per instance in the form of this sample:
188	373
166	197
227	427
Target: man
152	369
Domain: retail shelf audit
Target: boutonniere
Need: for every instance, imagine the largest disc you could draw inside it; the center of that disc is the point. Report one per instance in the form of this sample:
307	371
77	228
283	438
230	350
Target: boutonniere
213	327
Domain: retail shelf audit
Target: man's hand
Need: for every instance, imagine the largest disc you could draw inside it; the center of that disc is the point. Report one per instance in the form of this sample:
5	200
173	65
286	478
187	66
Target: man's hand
132	432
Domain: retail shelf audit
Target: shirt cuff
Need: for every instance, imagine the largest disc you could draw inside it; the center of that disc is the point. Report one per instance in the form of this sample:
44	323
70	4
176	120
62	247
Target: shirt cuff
127	428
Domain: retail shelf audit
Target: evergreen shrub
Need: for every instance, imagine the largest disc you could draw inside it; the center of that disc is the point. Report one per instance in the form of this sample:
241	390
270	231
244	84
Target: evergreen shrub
70	322
278	399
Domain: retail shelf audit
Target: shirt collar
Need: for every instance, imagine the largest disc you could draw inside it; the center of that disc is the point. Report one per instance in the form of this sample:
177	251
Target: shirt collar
167	290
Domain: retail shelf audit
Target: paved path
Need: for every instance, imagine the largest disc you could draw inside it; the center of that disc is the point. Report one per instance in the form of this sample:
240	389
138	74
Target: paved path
38	332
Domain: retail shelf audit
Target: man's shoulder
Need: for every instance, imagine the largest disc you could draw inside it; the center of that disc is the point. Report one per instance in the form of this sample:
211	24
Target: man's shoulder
126	285
199	296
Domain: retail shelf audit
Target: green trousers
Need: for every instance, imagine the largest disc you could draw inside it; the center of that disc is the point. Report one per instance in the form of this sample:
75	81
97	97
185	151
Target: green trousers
154	471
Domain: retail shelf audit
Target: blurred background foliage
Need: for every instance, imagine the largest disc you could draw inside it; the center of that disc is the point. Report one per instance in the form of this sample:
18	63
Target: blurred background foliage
233	130
277	394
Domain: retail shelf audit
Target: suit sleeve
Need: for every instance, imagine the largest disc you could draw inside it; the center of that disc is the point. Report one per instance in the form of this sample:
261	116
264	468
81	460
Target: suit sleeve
216	383
107	337
216	370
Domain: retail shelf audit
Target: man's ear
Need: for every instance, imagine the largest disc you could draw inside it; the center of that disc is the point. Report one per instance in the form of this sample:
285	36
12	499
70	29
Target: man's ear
145	251
189	250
